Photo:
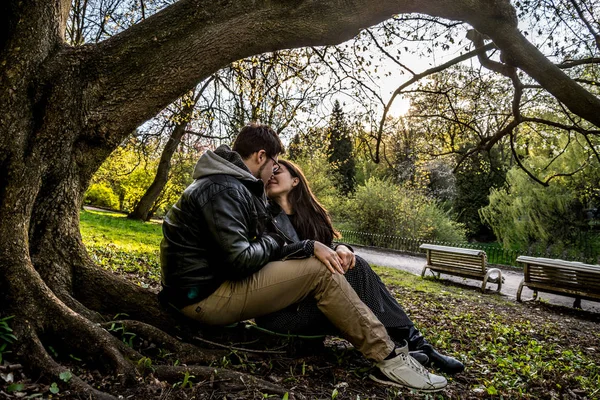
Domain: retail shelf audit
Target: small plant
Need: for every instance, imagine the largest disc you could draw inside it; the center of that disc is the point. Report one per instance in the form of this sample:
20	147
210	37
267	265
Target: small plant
54	388
65	376
6	335
126	337
145	363
334	394
186	382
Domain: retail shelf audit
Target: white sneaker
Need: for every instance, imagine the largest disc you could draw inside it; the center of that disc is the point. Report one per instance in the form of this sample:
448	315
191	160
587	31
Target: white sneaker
404	371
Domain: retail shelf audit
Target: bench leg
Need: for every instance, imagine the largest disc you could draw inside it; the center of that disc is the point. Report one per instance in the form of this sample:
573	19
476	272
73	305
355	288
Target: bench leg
423	271
577	303
500	280
484	284
497	280
519	290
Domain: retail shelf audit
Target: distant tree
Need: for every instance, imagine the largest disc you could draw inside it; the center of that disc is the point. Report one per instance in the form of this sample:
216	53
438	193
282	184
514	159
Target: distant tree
308	143
523	212
340	149
475	178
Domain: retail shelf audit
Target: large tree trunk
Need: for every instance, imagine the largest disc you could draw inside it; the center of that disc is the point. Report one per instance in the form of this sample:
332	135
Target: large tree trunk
65	109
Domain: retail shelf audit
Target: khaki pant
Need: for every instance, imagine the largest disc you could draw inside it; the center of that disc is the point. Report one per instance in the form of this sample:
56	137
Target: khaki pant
282	283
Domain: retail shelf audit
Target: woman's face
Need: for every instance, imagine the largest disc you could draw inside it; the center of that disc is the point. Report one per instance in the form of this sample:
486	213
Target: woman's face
281	183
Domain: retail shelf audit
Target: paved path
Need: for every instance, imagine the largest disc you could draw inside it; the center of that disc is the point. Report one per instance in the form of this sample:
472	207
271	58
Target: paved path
414	264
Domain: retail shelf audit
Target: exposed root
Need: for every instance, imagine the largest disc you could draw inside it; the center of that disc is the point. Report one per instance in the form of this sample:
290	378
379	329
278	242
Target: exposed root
110	294
226	380
186	353
79	308
34	353
92	339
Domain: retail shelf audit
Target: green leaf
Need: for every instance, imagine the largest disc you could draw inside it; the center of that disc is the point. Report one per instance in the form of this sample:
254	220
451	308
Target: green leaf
334	394
492	390
54	388
15	387
285	396
65	376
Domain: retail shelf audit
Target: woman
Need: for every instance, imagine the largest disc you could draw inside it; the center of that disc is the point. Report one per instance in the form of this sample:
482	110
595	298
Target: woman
298	216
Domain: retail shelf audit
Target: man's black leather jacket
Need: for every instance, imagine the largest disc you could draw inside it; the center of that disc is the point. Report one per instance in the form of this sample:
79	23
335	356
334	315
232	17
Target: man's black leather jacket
220	229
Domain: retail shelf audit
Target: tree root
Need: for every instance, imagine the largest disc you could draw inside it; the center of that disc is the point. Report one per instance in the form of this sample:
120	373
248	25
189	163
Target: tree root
94	340
226	380
110	294
34	353
186	353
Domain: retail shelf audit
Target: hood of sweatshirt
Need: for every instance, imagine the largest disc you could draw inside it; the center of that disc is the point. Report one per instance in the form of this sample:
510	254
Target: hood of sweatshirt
222	161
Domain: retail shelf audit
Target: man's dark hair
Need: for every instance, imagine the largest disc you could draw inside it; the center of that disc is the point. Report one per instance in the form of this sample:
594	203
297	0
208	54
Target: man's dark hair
255	137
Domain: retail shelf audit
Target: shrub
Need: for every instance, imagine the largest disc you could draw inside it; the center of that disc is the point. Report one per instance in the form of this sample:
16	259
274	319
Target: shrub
101	195
382	207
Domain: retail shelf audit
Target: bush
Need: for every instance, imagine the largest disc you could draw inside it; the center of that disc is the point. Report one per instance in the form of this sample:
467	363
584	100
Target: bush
100	195
382	207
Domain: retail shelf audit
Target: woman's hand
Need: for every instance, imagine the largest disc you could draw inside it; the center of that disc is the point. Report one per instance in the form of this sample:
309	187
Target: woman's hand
347	257
329	257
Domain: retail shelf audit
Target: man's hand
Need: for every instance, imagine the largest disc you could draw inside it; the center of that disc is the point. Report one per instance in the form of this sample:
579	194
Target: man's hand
347	257
329	257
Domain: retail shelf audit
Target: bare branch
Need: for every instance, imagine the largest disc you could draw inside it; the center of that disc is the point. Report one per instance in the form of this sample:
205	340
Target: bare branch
575	63
416	78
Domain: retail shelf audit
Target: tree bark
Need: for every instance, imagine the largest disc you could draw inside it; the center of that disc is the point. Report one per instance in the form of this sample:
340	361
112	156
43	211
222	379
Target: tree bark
65	109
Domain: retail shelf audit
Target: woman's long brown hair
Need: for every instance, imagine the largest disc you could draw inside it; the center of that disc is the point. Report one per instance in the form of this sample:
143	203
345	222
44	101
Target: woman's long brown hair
311	220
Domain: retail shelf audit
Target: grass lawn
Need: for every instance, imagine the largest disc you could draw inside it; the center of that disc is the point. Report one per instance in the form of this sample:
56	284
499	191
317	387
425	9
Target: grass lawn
122	245
510	350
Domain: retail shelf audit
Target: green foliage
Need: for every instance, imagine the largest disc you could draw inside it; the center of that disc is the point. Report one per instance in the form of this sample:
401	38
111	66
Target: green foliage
54	388
6	335
340	150
379	206
65	376
126	337
186	382
475	178
15	387
525	212
126	174
101	195
320	178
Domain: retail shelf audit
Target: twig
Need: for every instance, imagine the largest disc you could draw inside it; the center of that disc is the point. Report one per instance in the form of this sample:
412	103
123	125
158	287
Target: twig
238	348
12	367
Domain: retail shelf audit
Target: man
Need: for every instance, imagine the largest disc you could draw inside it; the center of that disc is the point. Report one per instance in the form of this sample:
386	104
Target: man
221	263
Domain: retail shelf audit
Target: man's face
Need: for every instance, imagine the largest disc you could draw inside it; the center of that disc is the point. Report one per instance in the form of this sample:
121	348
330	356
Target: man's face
267	168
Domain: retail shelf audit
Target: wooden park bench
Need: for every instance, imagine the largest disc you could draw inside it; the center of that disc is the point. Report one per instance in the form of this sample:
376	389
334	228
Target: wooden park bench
570	278
467	263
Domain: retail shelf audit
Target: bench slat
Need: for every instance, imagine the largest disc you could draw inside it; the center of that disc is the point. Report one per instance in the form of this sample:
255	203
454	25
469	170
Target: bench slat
457	250
457	272
466	261
549	262
559	290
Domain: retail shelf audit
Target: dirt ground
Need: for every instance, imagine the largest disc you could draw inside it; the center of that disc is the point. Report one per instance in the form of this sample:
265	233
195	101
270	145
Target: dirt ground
479	330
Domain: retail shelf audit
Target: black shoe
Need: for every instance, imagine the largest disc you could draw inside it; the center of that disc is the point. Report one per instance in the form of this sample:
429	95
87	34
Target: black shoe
442	363
420	356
